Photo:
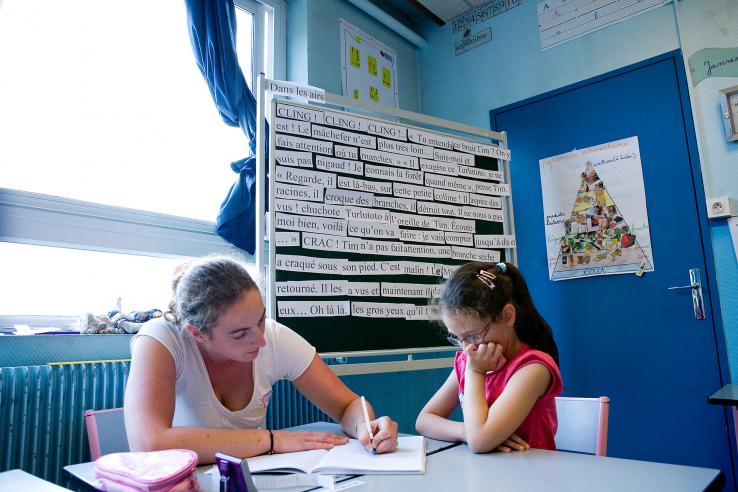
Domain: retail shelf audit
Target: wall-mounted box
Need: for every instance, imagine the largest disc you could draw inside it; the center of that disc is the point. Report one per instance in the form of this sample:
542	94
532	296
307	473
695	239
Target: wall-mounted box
721	206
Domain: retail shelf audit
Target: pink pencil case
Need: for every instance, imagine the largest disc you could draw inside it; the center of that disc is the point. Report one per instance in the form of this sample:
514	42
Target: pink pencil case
171	470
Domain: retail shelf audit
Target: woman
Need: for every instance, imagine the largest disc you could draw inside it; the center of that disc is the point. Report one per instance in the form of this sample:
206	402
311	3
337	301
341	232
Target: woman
202	376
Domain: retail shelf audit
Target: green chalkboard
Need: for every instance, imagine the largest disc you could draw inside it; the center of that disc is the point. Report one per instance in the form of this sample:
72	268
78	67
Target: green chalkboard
330	150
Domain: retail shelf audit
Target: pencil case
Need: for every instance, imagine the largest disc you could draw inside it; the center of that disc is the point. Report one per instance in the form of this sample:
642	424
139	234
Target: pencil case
171	470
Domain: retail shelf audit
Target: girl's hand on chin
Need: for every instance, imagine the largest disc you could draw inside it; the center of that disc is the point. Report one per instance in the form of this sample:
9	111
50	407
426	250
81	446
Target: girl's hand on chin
485	357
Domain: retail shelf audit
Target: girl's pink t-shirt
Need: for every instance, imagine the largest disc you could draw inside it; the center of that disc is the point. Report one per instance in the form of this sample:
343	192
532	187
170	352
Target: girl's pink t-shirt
539	427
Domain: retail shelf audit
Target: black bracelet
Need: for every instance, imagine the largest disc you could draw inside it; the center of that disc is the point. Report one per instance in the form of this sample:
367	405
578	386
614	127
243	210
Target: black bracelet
271	442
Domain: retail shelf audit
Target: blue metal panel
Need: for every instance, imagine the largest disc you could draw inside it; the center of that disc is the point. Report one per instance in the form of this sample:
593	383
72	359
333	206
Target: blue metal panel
42	413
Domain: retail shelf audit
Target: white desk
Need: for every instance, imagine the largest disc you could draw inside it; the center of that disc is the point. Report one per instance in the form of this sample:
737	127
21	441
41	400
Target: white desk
85	472
458	468
20	481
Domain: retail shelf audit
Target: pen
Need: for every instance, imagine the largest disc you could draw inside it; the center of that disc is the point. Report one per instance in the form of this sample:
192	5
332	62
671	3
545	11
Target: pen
368	425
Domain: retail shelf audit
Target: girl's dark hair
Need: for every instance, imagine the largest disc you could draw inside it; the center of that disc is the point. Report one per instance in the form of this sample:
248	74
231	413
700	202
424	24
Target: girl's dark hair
203	290
467	294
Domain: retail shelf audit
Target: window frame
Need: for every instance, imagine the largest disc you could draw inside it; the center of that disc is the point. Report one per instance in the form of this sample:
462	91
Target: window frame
47	220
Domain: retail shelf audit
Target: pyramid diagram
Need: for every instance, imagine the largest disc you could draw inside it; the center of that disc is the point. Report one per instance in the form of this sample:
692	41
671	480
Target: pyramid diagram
597	235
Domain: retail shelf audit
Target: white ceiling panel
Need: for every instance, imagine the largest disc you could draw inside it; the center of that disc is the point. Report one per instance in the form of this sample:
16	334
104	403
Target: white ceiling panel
448	9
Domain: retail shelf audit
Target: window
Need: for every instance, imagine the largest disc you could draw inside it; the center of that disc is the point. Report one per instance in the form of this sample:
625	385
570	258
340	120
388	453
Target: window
117	149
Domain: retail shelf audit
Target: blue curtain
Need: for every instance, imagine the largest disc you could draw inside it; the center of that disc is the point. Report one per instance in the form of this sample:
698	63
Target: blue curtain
212	27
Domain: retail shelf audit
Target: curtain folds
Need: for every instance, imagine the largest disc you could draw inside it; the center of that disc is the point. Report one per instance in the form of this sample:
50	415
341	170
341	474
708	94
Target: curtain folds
212	28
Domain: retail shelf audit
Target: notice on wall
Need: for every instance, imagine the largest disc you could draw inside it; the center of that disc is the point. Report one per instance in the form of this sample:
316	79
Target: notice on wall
560	21
595	214
368	67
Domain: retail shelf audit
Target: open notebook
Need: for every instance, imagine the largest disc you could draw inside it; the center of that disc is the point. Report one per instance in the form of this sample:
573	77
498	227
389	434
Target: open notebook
349	458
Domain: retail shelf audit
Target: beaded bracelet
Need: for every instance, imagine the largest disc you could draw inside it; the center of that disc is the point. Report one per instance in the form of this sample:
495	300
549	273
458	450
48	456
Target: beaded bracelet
271	442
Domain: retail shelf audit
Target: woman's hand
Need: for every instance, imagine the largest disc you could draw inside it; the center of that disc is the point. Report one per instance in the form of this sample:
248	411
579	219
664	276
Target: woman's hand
484	357
514	442
385	435
290	441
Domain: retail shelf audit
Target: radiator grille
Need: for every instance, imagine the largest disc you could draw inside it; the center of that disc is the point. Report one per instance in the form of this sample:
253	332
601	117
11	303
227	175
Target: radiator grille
42	412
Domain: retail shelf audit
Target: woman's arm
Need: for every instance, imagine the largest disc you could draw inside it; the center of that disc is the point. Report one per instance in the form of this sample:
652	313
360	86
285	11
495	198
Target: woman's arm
433	420
488	427
321	386
149	409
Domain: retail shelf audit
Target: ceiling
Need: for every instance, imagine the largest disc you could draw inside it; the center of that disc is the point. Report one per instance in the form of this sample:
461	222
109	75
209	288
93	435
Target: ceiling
440	11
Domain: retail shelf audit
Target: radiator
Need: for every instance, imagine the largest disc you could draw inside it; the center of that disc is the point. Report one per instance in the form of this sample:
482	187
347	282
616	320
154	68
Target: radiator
42	412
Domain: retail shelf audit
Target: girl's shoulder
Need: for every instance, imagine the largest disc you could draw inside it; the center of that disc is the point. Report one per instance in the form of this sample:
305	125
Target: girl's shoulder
528	355
531	356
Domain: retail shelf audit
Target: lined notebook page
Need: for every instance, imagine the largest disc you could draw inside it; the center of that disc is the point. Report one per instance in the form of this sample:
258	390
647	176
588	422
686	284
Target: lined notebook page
353	458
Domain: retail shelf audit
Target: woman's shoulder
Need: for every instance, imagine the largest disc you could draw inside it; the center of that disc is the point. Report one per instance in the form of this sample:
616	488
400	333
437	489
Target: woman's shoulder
282	338
286	354
160	325
164	331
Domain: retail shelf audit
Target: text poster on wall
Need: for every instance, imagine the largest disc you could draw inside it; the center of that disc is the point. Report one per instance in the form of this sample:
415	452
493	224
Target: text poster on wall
370	217
560	21
368	67
594	206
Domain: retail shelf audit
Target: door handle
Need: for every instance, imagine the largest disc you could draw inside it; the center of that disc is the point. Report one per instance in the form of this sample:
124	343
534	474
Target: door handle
695	285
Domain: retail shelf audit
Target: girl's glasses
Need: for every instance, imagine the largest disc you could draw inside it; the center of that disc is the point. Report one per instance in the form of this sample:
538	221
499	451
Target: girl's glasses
475	339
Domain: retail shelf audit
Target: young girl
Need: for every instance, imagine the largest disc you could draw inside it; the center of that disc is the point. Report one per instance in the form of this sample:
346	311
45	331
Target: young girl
506	377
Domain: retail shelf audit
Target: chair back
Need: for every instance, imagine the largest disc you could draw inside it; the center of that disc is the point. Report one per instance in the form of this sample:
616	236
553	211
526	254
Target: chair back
582	424
106	432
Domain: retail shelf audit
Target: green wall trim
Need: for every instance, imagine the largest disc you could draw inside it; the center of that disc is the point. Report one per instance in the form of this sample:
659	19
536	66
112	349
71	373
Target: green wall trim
713	62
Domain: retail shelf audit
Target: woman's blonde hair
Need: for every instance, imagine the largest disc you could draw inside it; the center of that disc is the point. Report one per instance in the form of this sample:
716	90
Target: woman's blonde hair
203	290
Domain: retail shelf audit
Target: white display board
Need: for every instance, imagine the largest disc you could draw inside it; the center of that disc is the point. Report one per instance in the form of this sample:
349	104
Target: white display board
368	67
370	216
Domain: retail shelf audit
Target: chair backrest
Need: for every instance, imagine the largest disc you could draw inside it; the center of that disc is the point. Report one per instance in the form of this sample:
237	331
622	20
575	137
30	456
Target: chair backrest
106	432
582	424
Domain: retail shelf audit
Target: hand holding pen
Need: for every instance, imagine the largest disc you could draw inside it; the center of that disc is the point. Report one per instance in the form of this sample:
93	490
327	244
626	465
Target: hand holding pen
379	435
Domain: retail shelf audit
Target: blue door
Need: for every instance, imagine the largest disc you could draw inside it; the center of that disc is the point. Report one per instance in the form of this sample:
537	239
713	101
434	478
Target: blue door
622	336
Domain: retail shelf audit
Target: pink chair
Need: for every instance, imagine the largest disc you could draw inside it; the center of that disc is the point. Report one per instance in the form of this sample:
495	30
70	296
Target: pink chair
106	432
582	424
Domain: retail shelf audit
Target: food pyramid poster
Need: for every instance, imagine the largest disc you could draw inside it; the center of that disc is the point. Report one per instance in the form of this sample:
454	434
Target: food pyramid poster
595	213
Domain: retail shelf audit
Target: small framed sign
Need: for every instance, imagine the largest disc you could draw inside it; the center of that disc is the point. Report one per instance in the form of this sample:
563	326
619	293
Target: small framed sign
729	110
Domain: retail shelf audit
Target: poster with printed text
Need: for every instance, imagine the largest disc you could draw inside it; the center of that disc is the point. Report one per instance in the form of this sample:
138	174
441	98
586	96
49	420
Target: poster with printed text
595	214
368	67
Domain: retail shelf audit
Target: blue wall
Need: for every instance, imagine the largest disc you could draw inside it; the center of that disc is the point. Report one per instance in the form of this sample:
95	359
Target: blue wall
314	58
313	33
512	67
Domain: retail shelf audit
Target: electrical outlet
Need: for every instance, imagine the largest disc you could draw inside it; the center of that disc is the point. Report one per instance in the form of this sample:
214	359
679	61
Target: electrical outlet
721	206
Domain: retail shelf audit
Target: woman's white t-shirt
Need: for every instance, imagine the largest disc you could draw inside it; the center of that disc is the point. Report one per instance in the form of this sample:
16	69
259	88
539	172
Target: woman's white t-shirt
285	356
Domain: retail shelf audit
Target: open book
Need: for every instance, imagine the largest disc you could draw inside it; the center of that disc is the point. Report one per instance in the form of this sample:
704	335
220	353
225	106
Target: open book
348	459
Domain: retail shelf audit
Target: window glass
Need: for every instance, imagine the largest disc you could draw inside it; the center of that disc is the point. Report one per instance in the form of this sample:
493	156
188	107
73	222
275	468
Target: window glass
244	44
41	280
105	103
